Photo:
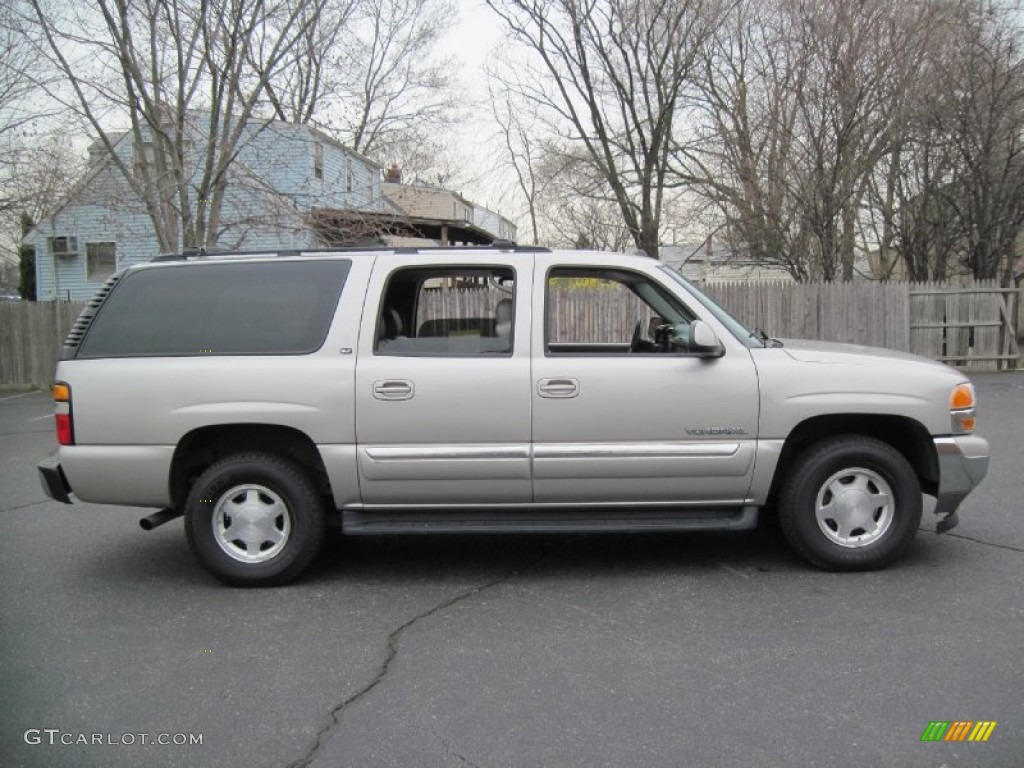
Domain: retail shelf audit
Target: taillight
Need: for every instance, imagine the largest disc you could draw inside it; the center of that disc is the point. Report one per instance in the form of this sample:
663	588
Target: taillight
65	424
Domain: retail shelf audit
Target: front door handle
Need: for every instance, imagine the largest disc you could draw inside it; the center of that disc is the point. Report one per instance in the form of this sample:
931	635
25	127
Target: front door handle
558	388
393	389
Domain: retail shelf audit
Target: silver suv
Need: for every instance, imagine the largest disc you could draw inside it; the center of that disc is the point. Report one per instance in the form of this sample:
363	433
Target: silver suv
265	396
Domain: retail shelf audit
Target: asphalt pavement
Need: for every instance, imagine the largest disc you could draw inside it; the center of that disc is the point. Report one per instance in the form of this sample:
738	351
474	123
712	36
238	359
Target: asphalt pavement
116	649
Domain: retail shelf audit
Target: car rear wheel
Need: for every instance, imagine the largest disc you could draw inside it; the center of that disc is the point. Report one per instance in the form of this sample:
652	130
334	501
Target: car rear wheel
255	519
850	503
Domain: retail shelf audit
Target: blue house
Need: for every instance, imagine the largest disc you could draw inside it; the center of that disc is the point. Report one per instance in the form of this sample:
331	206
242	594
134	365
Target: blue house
283	172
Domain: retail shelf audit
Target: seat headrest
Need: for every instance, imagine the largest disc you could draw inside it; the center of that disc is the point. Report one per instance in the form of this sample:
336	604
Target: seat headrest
503	311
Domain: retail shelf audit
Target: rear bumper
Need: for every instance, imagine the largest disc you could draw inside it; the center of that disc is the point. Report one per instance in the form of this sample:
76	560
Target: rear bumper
963	463
55	484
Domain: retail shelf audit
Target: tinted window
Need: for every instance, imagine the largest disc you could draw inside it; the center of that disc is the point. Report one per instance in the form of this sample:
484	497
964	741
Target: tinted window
218	309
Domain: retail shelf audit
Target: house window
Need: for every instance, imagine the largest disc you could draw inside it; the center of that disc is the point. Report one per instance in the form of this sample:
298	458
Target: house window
348	174
318	160
100	261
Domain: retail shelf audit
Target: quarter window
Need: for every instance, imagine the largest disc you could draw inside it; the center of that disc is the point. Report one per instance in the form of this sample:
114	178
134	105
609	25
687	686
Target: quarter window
218	309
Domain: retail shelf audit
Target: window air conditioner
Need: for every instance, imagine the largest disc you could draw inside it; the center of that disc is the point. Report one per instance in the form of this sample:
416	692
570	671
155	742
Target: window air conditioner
64	247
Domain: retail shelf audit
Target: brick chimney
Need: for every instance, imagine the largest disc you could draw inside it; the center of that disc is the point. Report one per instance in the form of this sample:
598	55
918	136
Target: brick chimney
393	175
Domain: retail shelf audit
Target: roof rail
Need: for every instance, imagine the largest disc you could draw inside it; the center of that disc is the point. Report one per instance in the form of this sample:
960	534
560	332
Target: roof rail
202	253
199	252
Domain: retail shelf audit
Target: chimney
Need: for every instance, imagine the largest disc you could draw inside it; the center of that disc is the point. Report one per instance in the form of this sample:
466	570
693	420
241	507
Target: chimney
393	175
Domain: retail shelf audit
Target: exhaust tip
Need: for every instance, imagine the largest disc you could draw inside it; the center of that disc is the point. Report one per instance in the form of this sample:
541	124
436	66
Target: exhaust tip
157	519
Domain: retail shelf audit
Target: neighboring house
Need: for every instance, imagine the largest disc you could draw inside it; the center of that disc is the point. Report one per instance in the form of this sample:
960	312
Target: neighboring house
464	222
417	215
290	187
711	261
283	173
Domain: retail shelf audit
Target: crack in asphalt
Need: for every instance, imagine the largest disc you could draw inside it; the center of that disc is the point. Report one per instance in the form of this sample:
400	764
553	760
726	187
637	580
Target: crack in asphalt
952	535
986	543
23	506
449	752
334	716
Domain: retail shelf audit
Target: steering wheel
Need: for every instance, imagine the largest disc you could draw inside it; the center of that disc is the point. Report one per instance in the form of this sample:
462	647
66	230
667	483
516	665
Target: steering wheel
634	343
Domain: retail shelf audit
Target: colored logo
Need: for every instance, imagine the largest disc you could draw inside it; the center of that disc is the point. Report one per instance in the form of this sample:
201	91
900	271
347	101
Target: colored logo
959	730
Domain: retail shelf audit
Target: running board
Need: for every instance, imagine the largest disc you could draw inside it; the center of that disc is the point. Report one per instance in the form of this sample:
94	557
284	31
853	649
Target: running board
622	519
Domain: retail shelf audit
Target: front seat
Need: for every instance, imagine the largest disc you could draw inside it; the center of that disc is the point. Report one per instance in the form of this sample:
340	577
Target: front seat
503	321
390	327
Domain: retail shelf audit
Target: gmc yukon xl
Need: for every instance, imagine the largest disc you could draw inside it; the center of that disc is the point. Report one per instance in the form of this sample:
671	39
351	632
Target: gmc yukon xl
267	396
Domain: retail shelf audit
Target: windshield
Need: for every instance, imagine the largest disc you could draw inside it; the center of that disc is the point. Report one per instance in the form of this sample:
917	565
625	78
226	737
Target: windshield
737	328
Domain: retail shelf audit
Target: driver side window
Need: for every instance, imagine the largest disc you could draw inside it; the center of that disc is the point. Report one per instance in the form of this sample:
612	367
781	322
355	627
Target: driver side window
611	312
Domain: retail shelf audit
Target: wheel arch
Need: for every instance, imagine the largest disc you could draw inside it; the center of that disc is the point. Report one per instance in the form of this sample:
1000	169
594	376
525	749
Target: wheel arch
203	446
904	434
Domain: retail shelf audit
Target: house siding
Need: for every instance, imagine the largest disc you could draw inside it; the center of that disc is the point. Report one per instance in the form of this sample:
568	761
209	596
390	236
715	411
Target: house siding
429	203
495	223
433	203
271	191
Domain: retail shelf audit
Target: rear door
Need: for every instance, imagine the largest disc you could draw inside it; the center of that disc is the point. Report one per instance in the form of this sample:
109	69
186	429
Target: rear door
443	380
618	415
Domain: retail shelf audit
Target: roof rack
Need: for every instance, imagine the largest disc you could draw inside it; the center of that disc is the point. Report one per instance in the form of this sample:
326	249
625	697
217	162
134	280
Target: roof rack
191	253
202	253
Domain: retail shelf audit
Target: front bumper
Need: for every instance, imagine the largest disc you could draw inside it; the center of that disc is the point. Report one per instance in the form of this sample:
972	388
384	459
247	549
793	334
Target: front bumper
55	484
963	463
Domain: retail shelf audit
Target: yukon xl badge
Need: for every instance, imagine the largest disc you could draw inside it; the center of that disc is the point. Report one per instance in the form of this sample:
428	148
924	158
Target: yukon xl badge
713	431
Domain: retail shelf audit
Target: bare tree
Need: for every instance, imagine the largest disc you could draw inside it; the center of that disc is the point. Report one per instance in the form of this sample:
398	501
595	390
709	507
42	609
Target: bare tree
800	102
42	171
36	161
394	82
172	70
909	200
298	89
578	208
948	197
522	150
983	114
368	72
21	110
613	74
740	150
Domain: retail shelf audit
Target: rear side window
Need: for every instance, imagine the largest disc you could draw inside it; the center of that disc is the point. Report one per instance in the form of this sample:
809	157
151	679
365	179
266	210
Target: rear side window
218	309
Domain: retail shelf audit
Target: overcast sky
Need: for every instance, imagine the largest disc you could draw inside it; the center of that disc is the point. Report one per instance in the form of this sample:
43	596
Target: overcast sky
477	34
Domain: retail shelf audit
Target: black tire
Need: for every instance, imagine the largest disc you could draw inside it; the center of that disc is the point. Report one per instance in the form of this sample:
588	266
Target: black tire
255	520
869	499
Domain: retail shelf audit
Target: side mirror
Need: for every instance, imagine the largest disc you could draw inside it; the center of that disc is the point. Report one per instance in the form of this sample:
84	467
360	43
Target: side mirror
703	340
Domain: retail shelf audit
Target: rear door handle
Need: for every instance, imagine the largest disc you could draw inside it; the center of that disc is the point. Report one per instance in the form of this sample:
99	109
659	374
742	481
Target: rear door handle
393	389
558	388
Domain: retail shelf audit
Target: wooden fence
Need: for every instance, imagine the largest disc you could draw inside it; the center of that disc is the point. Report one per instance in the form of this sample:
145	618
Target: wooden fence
31	337
873	314
972	327
964	326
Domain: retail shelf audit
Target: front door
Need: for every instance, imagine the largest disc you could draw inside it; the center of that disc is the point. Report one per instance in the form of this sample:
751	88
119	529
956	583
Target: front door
443	381
619	412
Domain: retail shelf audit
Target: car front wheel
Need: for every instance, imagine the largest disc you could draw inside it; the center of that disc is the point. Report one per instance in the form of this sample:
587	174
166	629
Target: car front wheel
254	519
850	503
